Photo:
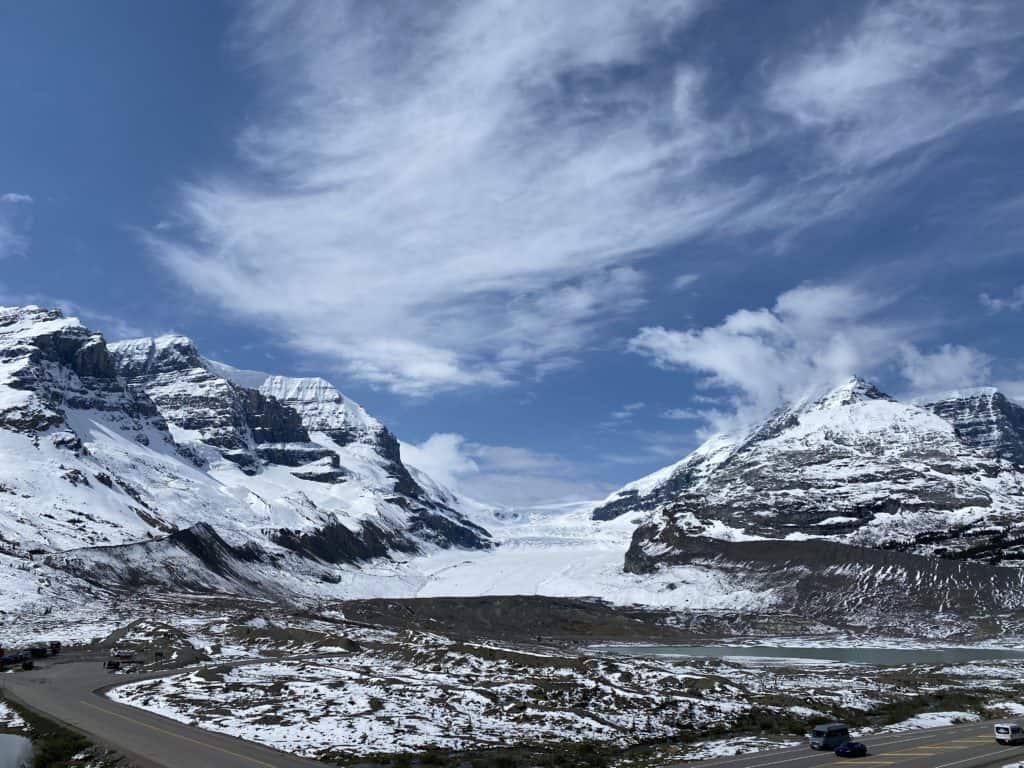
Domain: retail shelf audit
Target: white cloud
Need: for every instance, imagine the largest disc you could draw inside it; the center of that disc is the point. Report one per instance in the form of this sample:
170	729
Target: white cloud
1013	303
457	195
15	222
950	367
910	73
441	456
628	411
452	193
503	475
813	338
681	414
682	282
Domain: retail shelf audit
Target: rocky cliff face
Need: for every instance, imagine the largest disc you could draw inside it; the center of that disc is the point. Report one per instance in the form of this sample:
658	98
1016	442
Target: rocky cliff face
985	419
104	447
49	364
243	425
854	467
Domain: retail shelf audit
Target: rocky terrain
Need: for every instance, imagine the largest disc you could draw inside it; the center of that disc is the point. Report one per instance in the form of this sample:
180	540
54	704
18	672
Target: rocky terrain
985	419
885	507
854	467
339	689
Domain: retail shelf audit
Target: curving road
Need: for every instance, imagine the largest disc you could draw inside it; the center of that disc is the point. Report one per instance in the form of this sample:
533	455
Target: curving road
68	692
958	746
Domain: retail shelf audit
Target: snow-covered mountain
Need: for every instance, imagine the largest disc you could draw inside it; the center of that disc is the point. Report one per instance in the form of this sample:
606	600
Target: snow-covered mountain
984	418
234	477
853	466
142	463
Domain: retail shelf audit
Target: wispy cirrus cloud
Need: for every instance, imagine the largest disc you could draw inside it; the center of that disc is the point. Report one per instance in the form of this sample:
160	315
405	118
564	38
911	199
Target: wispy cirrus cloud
452	190
909	73
15	221
682	282
460	194
1012	303
681	414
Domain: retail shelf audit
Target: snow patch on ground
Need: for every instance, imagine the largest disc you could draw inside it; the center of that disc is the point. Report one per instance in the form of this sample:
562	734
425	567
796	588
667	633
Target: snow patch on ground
435	693
933	720
9	718
742	745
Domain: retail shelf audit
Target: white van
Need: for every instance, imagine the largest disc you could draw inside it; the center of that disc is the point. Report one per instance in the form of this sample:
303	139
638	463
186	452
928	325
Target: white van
1009	733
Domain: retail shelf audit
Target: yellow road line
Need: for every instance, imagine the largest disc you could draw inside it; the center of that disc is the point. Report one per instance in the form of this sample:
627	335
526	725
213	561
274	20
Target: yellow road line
179	736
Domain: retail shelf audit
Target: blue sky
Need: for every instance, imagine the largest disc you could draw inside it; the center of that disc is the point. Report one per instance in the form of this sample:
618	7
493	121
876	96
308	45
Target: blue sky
553	245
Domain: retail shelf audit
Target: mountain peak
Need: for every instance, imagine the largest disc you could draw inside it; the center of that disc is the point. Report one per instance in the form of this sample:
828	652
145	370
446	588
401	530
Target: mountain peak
853	390
32	320
163	354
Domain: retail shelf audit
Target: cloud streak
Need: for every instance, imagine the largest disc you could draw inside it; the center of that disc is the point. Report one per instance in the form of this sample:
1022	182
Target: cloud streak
1012	303
15	221
461	194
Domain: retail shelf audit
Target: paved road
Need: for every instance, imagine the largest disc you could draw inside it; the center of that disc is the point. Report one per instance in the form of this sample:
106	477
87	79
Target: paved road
66	692
958	746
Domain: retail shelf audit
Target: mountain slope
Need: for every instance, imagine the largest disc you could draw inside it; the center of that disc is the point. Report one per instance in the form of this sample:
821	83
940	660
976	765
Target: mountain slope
108	446
985	419
853	466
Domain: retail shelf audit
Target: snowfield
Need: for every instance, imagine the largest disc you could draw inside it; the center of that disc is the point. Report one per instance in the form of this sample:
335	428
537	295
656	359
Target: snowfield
409	691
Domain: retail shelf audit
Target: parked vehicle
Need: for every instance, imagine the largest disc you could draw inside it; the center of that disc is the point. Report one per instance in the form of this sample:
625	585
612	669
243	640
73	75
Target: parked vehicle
12	658
829	736
55	647
39	651
28	665
852	749
1009	733
113	666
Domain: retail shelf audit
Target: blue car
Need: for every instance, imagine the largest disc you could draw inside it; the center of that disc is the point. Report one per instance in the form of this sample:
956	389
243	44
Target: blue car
851	749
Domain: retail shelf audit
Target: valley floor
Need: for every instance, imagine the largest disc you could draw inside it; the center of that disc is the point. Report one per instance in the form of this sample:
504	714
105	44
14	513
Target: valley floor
486	678
484	656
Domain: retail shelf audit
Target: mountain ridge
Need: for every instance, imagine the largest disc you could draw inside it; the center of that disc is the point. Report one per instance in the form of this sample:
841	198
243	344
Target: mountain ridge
115	445
853	465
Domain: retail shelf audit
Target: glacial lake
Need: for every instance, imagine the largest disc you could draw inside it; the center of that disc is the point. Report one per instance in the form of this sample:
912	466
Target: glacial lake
15	751
883	657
